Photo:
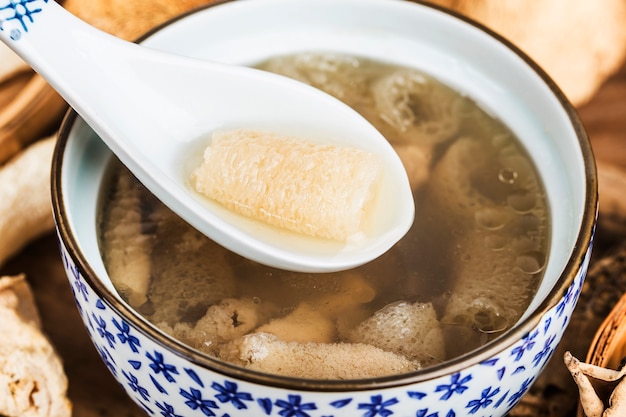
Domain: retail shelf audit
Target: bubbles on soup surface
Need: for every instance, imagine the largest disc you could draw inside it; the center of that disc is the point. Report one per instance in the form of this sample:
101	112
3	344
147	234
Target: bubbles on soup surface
462	276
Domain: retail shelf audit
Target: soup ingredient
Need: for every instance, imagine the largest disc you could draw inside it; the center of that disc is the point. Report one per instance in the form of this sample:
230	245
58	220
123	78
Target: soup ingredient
138	238
304	324
265	352
317	318
25	206
319	190
592	405
411	330
32	380
411	109
184	286
416	160
487	203
413	105
339	75
223	322
127	248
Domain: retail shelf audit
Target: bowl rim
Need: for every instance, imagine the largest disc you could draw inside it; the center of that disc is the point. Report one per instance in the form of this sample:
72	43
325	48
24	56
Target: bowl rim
576	260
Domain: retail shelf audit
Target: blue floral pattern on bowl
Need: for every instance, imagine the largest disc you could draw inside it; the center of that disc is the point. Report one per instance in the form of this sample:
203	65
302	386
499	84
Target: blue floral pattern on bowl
166	384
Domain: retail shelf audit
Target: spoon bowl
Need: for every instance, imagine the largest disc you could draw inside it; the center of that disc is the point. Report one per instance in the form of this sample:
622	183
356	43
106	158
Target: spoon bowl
156	110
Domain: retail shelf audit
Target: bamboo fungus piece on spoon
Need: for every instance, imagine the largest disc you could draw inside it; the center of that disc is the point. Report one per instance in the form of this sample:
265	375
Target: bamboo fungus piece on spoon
319	190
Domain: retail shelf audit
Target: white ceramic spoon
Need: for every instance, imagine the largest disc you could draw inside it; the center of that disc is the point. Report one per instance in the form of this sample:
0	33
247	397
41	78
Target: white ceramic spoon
154	109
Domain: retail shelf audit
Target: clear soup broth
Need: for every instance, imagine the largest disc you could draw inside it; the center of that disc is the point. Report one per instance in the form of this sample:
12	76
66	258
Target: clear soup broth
463	275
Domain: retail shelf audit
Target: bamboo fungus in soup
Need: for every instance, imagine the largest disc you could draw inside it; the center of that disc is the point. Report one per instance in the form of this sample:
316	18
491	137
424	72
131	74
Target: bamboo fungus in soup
463	275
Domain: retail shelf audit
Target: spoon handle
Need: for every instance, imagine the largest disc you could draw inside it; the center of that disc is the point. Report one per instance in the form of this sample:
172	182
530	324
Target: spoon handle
48	37
75	58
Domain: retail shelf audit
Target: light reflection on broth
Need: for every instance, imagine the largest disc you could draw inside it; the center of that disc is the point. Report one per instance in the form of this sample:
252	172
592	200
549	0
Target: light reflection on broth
464	273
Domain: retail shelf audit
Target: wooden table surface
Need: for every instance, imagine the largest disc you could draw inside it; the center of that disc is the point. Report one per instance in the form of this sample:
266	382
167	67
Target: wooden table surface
93	390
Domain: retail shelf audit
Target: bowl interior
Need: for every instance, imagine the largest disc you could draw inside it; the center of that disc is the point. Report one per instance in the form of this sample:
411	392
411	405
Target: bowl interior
451	49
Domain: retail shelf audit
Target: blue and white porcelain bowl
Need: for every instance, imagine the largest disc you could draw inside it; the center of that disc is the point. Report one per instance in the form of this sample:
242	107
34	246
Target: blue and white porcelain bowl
167	378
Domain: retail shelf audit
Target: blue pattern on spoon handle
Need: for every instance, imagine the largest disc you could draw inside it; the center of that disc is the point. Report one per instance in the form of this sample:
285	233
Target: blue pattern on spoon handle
17	16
